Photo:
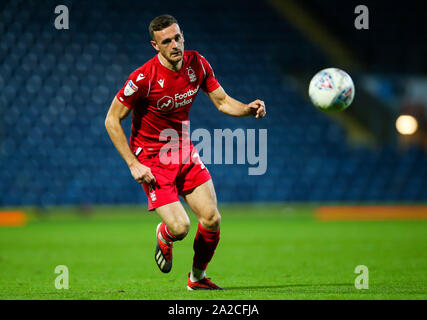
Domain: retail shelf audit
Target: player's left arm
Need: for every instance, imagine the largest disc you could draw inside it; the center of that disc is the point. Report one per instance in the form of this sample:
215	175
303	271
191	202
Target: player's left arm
235	108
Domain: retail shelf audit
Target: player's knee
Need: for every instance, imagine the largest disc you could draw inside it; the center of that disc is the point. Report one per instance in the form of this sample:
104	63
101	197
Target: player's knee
211	220
180	229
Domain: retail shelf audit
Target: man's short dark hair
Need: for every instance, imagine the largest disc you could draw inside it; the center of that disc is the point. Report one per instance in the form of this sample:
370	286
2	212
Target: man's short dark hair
160	23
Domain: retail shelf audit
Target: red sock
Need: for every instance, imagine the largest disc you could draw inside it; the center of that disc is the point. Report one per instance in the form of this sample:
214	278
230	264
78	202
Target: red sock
166	234
204	247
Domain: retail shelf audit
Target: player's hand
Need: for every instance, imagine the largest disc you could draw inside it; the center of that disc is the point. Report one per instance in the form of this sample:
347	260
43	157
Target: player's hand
141	173
258	108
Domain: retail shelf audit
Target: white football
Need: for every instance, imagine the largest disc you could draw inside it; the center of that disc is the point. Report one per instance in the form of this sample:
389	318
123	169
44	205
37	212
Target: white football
331	90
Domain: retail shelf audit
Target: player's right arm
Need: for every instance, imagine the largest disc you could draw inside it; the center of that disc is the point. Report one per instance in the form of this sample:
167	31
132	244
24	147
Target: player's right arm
115	115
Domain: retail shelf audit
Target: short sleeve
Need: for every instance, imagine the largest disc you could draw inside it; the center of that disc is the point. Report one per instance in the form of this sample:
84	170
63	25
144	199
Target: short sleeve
135	88
209	83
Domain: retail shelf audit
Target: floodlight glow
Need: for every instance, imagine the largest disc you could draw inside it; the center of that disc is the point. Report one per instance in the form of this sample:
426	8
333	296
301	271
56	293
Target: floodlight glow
406	124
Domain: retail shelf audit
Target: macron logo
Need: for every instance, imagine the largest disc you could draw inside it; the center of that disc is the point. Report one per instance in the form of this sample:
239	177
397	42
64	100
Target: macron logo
140	77
161	82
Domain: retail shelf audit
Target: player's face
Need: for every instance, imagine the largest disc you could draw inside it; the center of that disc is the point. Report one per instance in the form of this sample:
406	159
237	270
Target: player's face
170	43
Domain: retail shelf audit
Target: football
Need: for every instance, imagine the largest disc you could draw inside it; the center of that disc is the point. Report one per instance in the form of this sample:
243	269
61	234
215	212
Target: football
331	90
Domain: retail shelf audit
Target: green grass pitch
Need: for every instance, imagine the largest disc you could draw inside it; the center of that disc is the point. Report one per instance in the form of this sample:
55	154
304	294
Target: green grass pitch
266	252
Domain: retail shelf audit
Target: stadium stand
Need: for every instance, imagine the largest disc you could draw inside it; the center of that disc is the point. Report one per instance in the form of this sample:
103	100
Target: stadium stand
58	84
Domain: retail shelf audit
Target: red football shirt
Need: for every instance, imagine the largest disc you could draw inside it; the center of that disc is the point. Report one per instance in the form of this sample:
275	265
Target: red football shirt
161	99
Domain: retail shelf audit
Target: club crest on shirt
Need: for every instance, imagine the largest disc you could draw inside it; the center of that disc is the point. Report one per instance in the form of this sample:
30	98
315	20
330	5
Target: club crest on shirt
130	89
191	74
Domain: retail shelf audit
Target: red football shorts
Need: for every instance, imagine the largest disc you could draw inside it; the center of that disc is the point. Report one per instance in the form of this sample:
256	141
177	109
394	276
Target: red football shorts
173	177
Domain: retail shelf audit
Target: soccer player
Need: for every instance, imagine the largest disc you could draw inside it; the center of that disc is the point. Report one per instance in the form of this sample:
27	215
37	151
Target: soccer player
160	94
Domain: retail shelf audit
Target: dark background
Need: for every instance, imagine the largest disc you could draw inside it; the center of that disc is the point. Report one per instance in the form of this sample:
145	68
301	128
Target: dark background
57	85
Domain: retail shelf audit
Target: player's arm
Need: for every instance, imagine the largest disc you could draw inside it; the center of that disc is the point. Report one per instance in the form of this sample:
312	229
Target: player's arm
235	108
115	115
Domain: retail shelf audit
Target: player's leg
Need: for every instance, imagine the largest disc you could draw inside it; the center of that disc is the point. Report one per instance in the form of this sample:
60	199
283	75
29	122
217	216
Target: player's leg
175	219
164	199
174	227
202	200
